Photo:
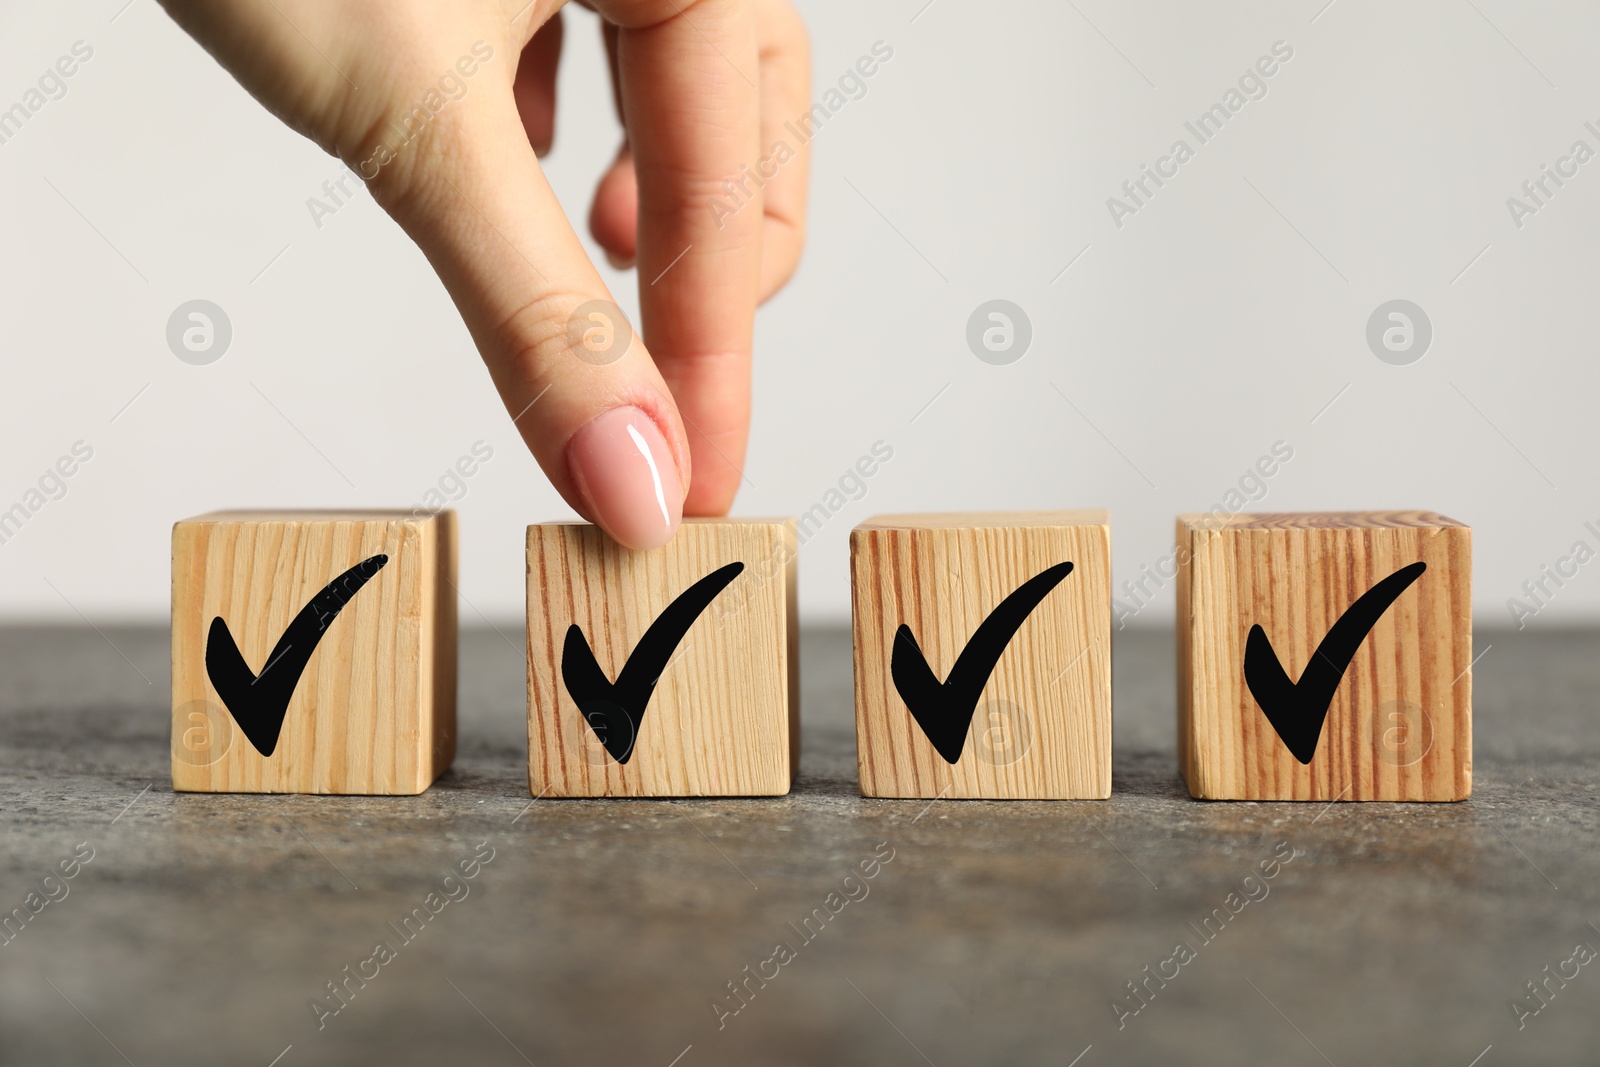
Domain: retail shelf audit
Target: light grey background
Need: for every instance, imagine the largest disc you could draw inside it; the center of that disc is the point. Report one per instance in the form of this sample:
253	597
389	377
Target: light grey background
1227	314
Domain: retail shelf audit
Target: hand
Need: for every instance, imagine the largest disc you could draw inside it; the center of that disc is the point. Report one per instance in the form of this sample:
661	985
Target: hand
441	108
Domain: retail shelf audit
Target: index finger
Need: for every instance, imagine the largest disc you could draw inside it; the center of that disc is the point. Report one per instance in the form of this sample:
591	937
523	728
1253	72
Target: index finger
690	77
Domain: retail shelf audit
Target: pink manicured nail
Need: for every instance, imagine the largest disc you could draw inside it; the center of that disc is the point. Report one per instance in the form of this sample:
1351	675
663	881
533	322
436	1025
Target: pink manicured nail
628	478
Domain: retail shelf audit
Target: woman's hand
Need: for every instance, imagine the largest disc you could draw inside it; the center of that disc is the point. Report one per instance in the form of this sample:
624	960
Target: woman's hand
441	106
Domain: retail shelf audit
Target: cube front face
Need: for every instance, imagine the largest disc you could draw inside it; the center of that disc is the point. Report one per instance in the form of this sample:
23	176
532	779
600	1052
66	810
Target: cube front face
710	618
1040	726
1399	722
363	652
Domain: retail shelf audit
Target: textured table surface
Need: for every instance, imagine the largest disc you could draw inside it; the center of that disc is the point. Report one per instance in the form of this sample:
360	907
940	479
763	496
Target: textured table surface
602	931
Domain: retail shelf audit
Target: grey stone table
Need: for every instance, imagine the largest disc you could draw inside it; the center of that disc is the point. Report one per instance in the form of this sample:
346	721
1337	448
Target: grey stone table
603	932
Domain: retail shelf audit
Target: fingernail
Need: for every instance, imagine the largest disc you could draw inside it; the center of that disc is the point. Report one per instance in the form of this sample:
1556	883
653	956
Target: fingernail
620	262
628	478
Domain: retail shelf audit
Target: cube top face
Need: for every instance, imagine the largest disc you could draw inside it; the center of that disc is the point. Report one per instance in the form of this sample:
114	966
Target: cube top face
313	652
1321	520
931	592
987	520
315	515
710	618
1365	615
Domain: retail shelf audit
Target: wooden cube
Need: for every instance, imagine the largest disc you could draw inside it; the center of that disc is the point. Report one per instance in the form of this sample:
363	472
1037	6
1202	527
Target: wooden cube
671	672
313	651
983	655
1325	656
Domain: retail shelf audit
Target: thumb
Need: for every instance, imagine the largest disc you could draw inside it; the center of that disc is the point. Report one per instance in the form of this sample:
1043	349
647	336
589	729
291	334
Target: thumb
574	375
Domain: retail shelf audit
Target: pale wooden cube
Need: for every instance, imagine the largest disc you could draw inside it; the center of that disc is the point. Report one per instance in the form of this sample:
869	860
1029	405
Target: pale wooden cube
1027	713
1397	696
313	651
663	673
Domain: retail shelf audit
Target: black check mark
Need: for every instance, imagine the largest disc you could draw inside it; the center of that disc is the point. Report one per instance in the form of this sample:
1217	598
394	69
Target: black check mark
258	703
1297	710
614	710
944	709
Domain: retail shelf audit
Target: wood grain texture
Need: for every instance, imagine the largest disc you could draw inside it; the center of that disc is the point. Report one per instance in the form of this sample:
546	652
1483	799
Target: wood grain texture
724	717
1042	728
374	710
1400	723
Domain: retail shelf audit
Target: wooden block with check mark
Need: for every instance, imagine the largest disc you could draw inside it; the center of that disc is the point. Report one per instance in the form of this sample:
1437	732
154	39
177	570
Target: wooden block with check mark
1325	656
313	651
983	655
663	673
